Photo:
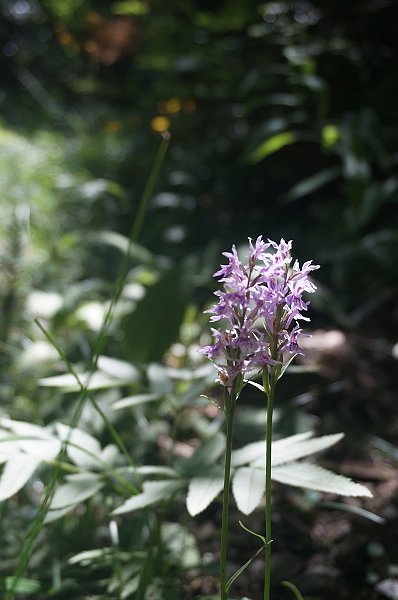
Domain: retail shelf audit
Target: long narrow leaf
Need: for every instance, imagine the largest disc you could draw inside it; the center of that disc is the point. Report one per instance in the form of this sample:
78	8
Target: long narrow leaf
243	568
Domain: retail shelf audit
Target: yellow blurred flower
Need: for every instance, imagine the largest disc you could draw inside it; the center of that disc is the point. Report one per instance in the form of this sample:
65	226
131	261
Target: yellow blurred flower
113	126
160	124
65	38
173	105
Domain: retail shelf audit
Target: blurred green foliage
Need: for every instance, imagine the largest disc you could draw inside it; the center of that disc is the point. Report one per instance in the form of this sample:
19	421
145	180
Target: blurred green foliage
283	122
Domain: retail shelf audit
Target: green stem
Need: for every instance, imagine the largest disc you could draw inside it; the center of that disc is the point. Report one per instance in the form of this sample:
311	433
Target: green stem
229	411
270	406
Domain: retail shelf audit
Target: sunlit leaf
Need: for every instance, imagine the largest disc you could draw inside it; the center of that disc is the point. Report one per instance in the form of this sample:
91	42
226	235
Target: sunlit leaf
23	585
313	477
83	448
203	490
153	493
33	440
248	453
248	486
299	446
136	400
78	487
16	473
272	145
120	369
130	7
284	450
97	381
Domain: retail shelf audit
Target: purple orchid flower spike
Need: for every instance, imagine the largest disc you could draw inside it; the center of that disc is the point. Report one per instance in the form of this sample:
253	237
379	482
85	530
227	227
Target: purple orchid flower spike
260	304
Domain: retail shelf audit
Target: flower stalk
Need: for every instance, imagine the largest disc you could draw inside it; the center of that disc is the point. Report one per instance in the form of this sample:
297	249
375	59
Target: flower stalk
229	408
261	304
268	458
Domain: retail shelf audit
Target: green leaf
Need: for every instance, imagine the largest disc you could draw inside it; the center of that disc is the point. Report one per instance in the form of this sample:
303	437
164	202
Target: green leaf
16	473
286	366
96	381
243	568
284	450
272	145
293	588
154	324
257	535
181	543
85	451
33	440
248	487
203	490
145	470
130	7
88	557
44	304
136	400
255	452
206	455
313	477
120	369
23	586
298	446
153	493
355	510
248	454
78	487
311	184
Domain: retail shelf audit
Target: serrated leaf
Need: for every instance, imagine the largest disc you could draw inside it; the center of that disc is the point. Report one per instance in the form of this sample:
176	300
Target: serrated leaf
254	453
298	446
248	487
203	490
78	487
248	453
284	450
313	477
153	492
17	472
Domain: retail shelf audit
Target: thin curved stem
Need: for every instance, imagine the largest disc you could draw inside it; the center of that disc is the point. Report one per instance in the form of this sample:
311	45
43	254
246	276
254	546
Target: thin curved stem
229	411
